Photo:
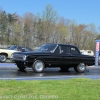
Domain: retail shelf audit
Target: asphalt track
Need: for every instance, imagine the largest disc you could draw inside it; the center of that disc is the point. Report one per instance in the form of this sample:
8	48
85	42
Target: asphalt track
9	71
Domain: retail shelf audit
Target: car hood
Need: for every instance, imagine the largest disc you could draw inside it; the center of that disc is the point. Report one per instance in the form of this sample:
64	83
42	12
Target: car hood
6	50
33	53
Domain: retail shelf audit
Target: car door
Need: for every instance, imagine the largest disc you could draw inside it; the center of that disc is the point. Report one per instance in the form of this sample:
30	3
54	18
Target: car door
75	54
56	57
65	55
62	55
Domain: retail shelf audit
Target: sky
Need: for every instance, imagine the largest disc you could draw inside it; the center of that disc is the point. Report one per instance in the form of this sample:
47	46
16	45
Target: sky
82	11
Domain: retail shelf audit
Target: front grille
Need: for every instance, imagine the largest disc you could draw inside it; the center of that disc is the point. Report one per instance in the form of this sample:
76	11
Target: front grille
18	57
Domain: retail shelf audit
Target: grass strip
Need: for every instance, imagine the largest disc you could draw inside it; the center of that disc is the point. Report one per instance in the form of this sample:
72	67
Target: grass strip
72	89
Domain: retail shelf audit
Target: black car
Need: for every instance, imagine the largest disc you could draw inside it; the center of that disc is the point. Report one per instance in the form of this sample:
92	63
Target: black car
53	55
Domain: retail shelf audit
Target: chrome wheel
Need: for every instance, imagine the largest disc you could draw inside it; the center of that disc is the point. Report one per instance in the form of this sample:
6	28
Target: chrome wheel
3	58
80	68
38	66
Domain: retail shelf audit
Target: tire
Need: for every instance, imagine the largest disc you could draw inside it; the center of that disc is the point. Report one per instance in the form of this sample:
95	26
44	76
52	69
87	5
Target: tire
64	68
3	58
38	66
20	66
80	68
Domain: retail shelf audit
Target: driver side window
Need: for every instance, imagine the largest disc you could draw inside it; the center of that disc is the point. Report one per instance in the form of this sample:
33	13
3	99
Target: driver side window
65	50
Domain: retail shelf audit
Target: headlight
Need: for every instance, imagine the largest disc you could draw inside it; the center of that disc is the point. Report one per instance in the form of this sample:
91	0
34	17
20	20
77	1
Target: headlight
24	57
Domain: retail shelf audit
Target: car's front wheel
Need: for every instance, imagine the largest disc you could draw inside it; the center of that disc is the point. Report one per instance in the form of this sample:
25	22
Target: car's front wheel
38	66
80	68
20	66
3	58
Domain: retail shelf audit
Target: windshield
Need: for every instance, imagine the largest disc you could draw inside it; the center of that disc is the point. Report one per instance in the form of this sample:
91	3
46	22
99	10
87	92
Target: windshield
12	48
47	48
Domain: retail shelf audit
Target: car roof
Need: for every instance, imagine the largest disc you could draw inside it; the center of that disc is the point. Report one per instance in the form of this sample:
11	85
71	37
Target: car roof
62	44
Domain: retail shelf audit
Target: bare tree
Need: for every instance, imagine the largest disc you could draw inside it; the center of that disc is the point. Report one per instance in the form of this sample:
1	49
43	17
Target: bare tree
29	29
49	18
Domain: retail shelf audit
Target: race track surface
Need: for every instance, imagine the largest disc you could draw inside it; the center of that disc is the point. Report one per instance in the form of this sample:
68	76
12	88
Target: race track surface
9	71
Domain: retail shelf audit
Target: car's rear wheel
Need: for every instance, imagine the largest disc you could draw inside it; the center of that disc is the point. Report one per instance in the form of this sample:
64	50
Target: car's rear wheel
63	68
3	58
38	66
80	68
21	66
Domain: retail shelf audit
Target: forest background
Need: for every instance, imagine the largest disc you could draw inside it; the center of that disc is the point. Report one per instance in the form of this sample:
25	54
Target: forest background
32	30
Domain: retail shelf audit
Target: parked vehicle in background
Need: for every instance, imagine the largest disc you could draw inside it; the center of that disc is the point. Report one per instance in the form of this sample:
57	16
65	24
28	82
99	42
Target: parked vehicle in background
87	52
19	48
6	53
53	55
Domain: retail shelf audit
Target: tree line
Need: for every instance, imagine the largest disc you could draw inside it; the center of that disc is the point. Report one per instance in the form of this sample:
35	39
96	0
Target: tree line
32	30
